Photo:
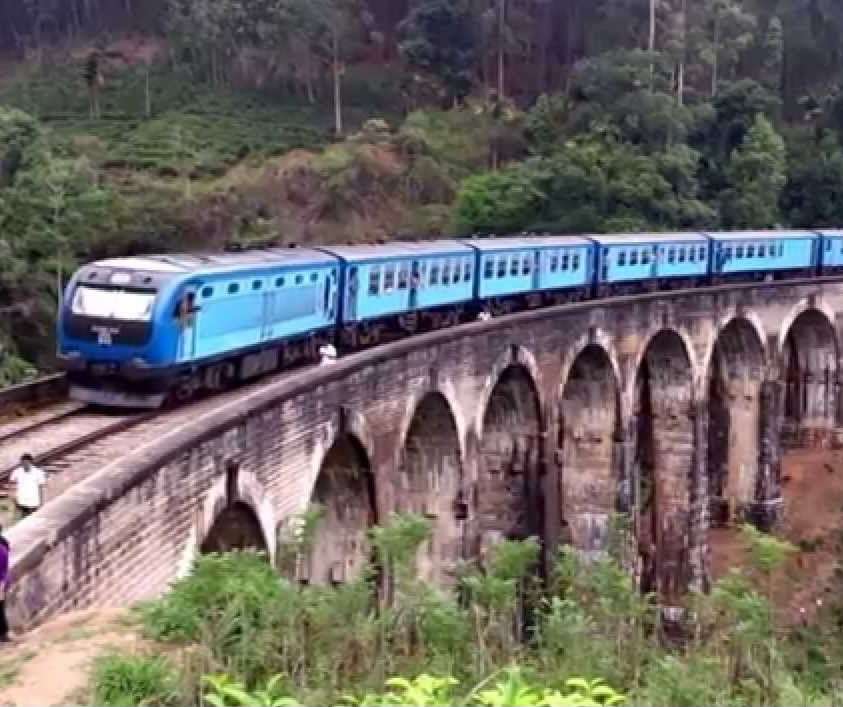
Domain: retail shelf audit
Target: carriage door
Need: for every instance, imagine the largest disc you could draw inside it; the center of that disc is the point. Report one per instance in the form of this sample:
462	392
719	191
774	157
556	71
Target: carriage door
604	266
537	263
268	315
351	294
187	315
415	283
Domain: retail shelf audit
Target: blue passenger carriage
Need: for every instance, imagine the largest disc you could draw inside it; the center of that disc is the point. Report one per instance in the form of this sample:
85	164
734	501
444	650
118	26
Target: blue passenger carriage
831	252
402	287
133	329
514	273
763	255
640	262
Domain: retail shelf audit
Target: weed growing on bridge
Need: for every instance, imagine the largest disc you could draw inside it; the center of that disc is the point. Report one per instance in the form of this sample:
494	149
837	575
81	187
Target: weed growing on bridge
398	640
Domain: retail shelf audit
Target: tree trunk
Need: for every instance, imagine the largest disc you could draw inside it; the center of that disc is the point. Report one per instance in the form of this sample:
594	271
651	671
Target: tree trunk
337	71
716	52
501	58
651	45
680	83
147	95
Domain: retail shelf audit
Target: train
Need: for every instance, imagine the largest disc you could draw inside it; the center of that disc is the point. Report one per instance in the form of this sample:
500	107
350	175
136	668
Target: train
146	331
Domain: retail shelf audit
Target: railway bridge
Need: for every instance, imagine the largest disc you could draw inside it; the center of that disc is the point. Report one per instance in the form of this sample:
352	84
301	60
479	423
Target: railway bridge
672	408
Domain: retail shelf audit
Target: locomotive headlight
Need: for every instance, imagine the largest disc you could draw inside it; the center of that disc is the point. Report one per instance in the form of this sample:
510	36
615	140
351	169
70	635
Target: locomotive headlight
120	278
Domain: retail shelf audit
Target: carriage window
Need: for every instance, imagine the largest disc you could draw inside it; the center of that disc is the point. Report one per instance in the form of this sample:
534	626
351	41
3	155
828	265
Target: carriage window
565	261
575	261
502	266
622	257
671	255
403	276
446	273
207	292
488	268
633	257
527	265
781	249
314	276
279	282
389	278
739	251
466	273
554	262
692	255
702	253
434	274
257	284
828	246
233	288
514	265
682	254
727	252
374	280
750	251
645	257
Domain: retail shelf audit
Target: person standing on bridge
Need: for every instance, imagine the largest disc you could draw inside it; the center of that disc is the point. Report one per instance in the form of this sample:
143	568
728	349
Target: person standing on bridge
29	483
4	584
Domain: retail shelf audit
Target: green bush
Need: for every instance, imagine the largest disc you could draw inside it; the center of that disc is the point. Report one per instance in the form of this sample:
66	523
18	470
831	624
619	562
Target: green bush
121	680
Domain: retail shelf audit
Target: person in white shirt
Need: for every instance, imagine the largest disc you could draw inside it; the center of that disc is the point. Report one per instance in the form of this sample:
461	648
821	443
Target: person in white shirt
29	483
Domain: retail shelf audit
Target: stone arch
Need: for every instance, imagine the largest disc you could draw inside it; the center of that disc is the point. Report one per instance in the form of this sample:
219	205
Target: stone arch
429	482
514	355
235	513
344	491
809	368
589	448
507	499
663	462
735	375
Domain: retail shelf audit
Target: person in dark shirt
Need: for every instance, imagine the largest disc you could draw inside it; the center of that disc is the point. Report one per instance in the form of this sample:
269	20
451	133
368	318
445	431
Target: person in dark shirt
4	585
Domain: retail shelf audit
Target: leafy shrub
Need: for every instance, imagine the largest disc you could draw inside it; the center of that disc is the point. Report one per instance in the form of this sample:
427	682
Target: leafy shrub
130	680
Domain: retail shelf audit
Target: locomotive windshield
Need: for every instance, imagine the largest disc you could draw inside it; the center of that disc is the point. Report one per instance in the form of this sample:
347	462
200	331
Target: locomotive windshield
119	304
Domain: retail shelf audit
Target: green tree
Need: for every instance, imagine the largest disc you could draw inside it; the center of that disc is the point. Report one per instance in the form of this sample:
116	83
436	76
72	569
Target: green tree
438	38
813	196
756	176
499	202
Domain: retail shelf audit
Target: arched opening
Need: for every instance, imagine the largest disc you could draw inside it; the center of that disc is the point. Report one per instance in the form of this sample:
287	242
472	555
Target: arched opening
809	359
734	426
508	504
589	437
663	464
345	494
430	482
235	528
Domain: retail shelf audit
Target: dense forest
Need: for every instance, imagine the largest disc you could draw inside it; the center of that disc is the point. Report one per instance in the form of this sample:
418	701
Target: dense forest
179	124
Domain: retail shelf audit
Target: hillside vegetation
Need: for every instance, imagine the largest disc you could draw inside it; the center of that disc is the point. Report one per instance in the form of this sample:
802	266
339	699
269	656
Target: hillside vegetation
185	124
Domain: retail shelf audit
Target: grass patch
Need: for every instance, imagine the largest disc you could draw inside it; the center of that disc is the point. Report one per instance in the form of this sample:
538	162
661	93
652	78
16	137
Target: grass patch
121	680
10	667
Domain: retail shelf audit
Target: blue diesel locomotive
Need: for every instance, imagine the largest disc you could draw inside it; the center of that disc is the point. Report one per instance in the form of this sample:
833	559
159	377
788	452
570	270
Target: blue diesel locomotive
134	332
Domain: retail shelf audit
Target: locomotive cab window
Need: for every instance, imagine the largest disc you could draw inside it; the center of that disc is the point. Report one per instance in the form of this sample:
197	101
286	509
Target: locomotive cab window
279	282
113	304
314	277
299	279
207	292
257	284
233	288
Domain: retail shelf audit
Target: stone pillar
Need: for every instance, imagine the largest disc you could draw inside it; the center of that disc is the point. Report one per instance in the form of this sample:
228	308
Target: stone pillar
766	509
698	565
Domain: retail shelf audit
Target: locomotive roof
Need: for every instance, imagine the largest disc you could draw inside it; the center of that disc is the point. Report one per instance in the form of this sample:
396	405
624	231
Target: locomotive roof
402	249
183	263
525	242
760	235
635	238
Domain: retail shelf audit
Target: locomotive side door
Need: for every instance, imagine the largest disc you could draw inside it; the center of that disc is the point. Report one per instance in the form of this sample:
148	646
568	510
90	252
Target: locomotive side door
187	315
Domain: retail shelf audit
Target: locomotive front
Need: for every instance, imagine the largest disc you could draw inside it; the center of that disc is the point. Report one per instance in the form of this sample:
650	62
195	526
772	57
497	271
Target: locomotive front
115	341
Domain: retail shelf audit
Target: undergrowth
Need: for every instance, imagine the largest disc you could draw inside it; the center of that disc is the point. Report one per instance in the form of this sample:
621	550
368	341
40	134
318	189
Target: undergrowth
247	633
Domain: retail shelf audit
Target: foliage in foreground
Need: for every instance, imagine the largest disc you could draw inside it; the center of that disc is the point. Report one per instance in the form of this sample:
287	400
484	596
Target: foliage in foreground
243	634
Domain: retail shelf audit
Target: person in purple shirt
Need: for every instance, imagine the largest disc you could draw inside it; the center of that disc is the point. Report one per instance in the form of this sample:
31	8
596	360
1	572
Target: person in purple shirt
4	585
